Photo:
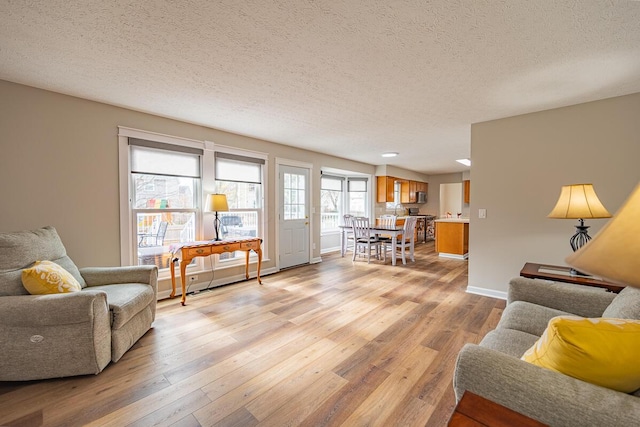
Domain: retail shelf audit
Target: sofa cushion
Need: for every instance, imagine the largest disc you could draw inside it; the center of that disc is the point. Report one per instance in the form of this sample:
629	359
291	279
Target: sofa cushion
509	341
527	317
600	351
126	300
20	249
626	305
47	277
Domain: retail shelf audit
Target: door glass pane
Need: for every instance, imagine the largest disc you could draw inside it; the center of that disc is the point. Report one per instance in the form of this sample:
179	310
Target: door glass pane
294	196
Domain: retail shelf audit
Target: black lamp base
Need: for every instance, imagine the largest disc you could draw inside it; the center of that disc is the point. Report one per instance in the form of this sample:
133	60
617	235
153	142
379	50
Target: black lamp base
216	226
577	241
581	237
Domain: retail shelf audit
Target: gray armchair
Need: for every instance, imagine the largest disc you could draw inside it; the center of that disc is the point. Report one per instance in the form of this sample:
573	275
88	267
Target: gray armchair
58	335
493	368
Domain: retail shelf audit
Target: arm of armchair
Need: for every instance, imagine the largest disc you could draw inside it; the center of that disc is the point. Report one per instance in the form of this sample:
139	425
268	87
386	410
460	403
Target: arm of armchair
542	394
580	300
48	336
97	276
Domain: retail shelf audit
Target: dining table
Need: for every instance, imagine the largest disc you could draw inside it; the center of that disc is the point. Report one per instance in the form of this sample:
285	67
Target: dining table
377	230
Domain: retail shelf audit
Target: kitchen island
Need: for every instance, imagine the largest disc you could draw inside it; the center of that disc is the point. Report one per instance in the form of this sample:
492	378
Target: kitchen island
452	237
424	226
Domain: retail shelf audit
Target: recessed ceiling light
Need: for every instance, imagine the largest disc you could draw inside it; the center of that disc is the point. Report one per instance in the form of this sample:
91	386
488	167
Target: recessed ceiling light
466	162
389	154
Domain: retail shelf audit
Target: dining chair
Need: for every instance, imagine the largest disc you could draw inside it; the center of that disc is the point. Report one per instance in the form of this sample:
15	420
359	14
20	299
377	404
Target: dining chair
348	222
364	239
407	240
386	221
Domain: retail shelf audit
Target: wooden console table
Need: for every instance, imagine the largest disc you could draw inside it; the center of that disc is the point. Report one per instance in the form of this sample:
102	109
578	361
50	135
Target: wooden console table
191	250
476	411
562	274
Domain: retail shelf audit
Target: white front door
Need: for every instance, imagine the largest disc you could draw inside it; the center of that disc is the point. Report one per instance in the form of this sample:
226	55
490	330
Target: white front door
293	216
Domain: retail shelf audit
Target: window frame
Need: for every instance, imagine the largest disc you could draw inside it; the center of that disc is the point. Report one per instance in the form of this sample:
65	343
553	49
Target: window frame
345	203
341	202
262	158
128	213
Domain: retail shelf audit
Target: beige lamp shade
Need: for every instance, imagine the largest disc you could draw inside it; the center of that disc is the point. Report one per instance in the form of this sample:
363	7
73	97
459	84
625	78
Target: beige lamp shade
614	253
216	203
579	201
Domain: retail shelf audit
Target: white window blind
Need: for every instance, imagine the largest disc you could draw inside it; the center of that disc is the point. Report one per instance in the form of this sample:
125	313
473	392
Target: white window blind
331	183
357	185
155	159
235	168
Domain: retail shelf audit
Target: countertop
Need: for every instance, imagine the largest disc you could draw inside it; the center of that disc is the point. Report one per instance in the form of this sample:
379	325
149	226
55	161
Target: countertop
460	220
407	216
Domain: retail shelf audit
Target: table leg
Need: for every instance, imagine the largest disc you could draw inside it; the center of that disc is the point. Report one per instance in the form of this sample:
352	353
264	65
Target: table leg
173	279
259	252
246	265
394	239
183	279
343	239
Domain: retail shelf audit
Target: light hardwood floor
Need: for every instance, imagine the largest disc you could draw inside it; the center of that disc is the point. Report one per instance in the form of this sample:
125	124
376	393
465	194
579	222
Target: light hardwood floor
331	344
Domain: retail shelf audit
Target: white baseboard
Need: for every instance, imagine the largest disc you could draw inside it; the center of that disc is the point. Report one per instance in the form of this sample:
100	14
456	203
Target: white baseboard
315	260
453	256
487	292
215	283
329	250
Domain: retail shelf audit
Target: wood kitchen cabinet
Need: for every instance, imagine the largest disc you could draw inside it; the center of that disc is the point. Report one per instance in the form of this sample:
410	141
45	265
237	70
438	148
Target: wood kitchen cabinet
384	186
409	191
452	238
405	192
466	189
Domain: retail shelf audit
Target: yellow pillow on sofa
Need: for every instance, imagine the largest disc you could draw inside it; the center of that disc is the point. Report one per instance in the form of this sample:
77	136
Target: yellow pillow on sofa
600	351
46	277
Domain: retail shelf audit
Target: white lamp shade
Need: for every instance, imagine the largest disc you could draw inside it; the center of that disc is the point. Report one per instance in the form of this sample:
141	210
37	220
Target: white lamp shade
216	203
614	253
579	201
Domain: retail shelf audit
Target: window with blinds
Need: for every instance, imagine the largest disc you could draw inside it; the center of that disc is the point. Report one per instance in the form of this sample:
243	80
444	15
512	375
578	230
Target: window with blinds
240	179
165	181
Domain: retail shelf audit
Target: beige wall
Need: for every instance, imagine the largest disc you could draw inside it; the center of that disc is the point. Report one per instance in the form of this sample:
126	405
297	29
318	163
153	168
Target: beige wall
433	199
518	167
390	170
59	166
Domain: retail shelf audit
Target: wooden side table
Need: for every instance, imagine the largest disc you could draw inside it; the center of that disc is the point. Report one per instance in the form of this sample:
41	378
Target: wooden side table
189	251
562	274
476	411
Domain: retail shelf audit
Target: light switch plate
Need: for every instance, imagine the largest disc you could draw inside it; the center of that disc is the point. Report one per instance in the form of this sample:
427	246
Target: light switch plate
482	213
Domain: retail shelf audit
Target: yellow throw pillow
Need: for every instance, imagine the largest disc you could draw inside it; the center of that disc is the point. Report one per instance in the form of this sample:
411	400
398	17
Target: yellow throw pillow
600	351
46	277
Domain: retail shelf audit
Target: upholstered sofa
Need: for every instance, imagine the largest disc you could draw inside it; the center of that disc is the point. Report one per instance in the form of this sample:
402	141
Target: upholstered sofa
493	368
65	334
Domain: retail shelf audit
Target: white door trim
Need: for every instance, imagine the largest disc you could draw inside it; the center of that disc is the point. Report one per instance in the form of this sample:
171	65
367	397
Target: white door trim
295	163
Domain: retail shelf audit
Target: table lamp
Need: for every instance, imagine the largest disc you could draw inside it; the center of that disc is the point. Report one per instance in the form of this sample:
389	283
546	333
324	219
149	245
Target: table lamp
579	201
614	252
217	203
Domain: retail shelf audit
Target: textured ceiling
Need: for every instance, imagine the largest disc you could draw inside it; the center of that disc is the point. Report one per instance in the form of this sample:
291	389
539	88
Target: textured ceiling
352	78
